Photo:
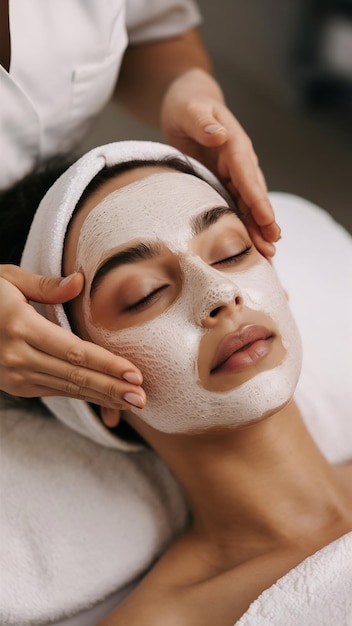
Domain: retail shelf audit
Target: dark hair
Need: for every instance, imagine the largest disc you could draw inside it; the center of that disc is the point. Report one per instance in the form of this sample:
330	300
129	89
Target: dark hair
19	203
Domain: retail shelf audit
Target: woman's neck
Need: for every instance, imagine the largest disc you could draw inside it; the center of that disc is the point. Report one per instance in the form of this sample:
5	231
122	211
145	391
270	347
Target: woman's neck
259	487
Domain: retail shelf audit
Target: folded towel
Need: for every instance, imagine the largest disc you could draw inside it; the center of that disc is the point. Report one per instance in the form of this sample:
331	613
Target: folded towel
78	521
318	592
44	248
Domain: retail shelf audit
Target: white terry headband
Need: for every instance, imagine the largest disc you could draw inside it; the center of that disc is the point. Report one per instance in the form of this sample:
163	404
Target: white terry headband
44	249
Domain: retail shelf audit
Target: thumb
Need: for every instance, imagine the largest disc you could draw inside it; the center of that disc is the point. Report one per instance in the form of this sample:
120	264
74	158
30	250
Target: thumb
45	289
204	127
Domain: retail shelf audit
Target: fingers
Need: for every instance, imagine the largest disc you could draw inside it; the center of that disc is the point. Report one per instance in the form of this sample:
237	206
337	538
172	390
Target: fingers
220	142
78	368
39	358
33	373
83	385
265	247
203	127
110	417
69	348
196	119
271	232
240	172
237	162
46	289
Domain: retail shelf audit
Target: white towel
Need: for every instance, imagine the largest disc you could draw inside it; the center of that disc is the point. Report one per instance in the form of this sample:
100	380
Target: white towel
44	249
318	592
78	521
314	263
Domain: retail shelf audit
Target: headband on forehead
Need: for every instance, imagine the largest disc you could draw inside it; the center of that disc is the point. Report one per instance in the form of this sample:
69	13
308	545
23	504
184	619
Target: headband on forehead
44	250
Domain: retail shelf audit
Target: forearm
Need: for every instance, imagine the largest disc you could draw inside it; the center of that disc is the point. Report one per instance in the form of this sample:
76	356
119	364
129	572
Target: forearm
148	70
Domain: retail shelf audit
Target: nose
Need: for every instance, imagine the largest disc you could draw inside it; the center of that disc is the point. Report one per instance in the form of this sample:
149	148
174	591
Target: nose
217	302
211	291
214	312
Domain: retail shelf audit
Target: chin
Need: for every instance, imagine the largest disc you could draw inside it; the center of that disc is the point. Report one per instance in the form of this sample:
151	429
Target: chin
276	410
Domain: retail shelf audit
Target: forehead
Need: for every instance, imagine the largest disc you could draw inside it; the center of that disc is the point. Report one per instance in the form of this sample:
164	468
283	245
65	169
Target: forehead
158	206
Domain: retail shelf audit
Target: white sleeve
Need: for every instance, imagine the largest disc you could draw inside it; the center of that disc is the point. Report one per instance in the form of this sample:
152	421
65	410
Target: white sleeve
150	20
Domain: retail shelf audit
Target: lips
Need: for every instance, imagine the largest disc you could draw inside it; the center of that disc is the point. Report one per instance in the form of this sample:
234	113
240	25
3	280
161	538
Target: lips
246	346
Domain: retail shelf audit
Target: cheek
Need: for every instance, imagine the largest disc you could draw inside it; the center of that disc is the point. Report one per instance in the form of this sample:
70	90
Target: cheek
164	349
261	290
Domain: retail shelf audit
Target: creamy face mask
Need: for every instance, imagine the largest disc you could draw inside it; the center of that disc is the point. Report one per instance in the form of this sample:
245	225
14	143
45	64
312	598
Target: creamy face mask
160	208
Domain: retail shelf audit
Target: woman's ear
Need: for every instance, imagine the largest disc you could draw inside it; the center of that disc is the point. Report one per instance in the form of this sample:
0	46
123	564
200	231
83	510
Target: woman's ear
111	417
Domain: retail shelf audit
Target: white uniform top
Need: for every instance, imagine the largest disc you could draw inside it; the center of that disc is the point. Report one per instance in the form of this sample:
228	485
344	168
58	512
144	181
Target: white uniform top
65	60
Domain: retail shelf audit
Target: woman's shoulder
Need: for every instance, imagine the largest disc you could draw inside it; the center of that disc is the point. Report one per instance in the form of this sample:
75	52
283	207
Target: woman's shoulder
228	596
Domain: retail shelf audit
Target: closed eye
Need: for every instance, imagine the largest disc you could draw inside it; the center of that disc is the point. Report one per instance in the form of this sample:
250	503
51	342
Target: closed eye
146	300
235	258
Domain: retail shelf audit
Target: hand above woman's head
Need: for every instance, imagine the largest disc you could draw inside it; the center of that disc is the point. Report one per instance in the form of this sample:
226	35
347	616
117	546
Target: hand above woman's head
196	120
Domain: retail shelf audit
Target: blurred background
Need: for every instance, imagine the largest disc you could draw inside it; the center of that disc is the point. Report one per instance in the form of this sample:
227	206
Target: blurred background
286	69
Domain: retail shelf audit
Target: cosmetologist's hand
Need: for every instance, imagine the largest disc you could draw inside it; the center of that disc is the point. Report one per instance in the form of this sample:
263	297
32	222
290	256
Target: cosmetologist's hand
38	358
196	120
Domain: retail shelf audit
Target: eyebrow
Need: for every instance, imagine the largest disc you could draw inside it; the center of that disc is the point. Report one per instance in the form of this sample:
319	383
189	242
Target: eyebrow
209	217
140	252
150	250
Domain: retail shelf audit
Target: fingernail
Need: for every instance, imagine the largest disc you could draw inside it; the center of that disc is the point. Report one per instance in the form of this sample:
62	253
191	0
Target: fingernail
278	233
213	128
132	377
134	399
66	280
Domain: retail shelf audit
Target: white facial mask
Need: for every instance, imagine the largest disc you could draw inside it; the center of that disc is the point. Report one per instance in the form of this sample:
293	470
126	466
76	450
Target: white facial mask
166	349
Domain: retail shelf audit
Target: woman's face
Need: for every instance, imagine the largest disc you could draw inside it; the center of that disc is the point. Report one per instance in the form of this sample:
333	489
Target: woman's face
173	283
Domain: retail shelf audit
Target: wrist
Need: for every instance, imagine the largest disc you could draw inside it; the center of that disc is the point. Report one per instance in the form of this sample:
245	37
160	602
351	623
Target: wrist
194	82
